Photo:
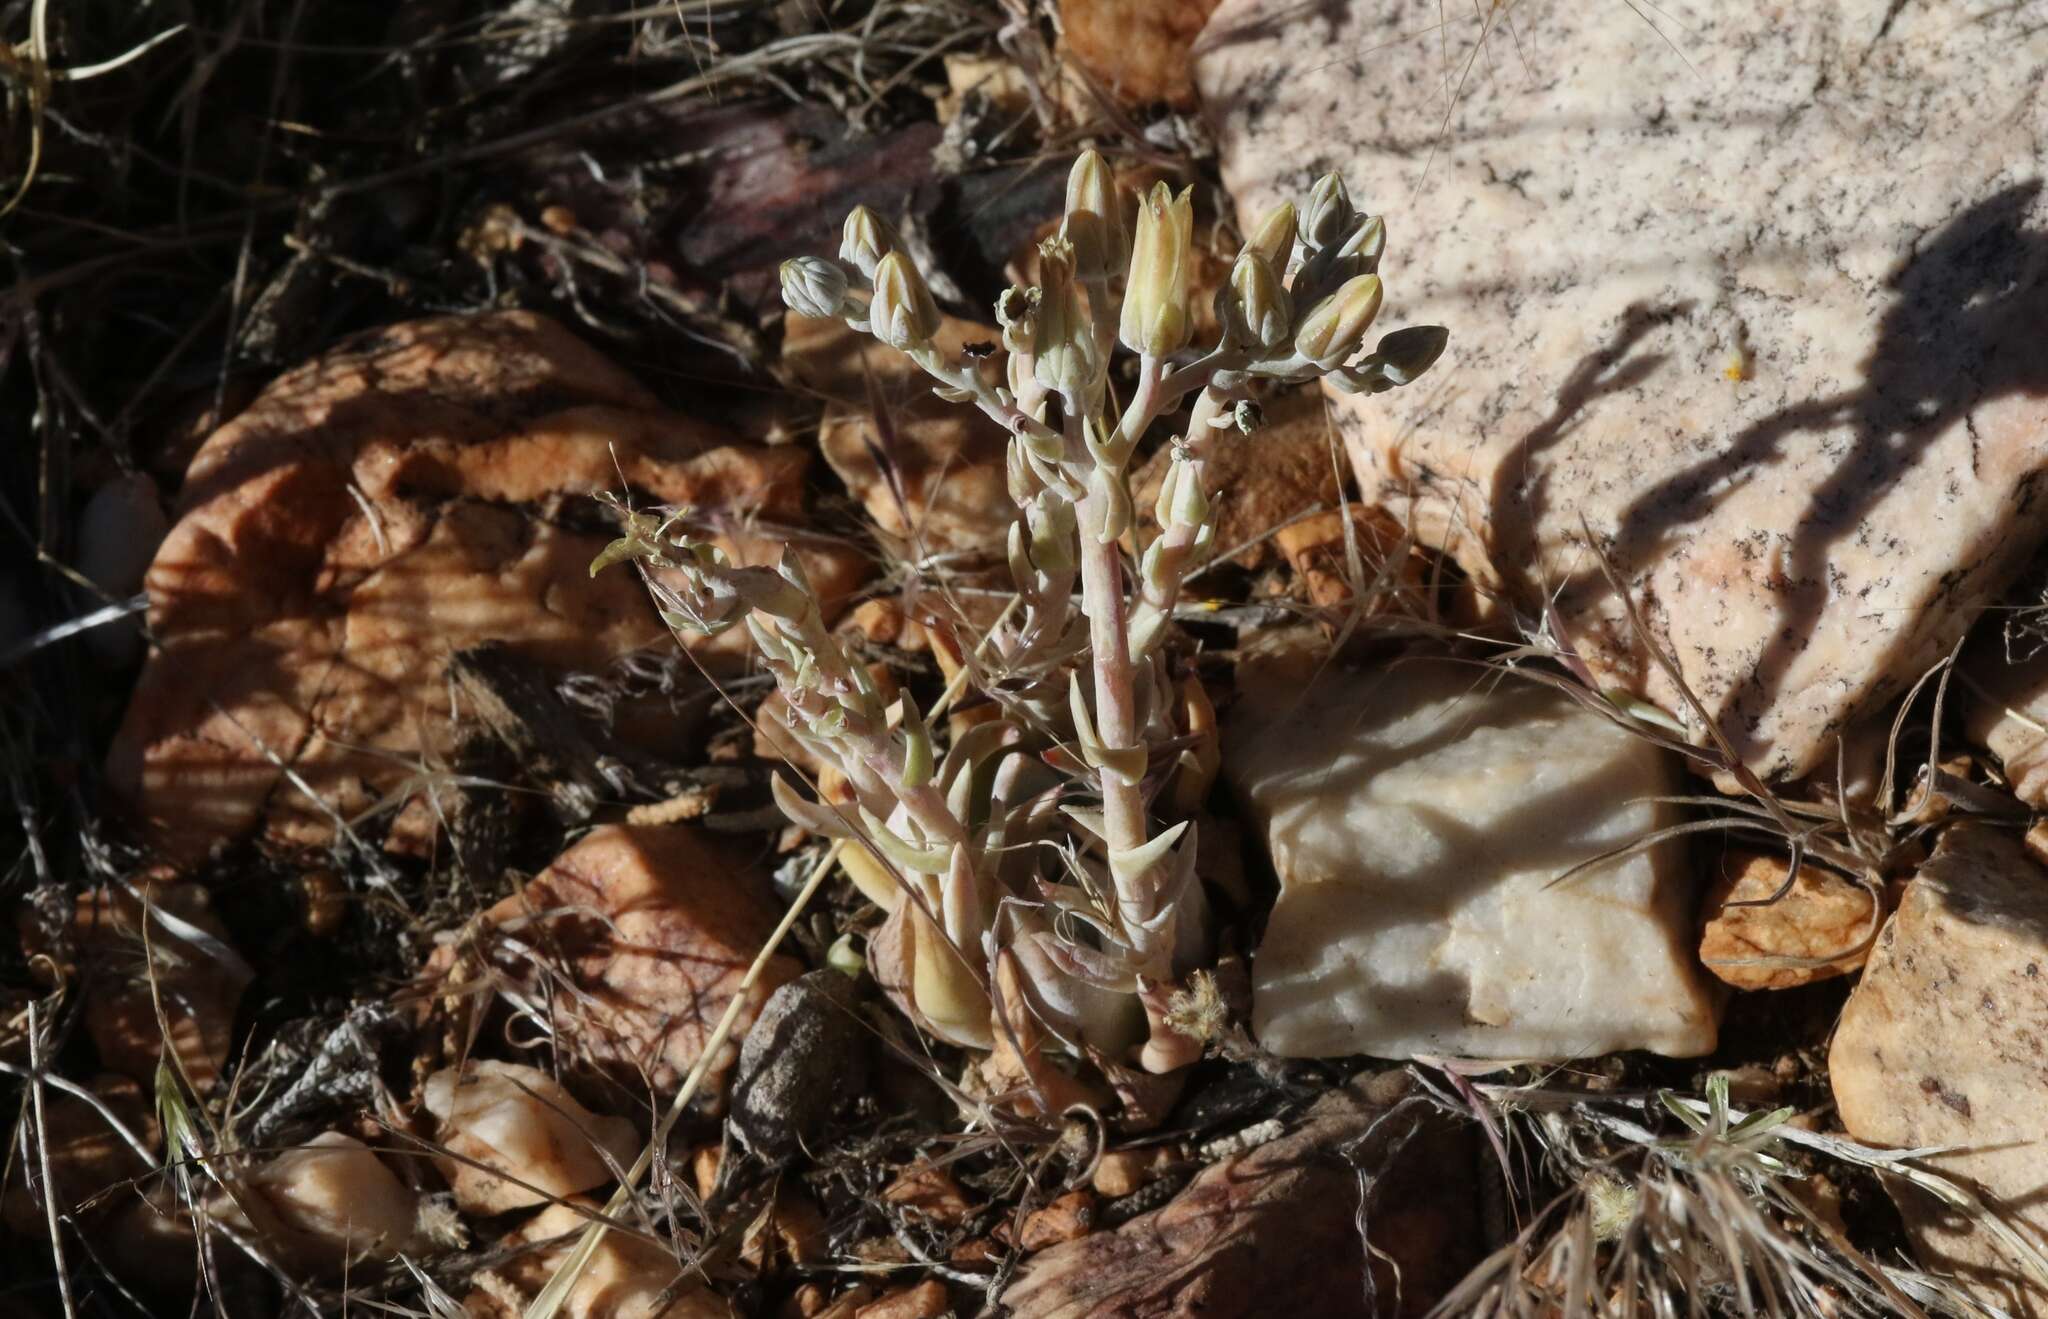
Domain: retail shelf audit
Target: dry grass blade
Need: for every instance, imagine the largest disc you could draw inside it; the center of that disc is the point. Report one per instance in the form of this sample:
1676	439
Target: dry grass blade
556	1293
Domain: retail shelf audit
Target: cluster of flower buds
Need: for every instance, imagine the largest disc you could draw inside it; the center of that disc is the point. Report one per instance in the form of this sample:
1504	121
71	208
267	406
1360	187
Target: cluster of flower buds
1314	324
1125	917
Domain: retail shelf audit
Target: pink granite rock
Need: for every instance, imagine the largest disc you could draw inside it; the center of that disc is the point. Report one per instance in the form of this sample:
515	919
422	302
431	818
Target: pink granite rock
1758	296
1941	1046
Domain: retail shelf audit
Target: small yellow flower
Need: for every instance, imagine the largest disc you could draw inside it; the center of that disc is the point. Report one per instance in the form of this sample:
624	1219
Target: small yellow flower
1156	319
1063	340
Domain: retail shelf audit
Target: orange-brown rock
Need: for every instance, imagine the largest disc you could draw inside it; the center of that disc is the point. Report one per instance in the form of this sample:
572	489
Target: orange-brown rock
325	1206
655	927
1821	927
943	487
1125	1172
1138	48
1316	549
1277	1230
370	514
927	1300
2005	709
196	978
1939	1048
1262	482
87	1156
1068	1218
928	1191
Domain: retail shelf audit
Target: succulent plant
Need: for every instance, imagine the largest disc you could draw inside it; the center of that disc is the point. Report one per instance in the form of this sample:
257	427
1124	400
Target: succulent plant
1024	866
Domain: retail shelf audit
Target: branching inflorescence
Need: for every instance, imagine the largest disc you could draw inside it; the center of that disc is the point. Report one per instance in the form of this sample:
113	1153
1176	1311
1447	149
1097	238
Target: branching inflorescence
1036	890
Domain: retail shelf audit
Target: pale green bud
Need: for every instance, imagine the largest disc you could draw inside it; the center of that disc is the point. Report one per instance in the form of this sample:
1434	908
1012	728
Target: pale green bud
1328	218
1094	222
1335	328
865	240
1274	238
1063	342
1367	243
1156	317
813	286
1406	354
1188	507
1023	483
902	314
1109	505
1257	313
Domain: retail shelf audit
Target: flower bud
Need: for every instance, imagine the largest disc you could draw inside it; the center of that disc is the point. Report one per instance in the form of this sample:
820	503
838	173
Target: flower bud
1328	217
1366	243
1406	354
1063	340
1247	416
1335	328
1095	219
813	286
866	239
1274	238
903	314
1156	319
1257	313
1188	507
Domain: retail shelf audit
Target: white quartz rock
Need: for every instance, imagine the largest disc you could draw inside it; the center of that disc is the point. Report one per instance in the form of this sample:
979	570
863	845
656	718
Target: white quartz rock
1417	816
1941	1045
1753	293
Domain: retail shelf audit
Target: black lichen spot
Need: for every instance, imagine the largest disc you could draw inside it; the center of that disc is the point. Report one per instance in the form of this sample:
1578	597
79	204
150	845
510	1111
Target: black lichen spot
1933	1088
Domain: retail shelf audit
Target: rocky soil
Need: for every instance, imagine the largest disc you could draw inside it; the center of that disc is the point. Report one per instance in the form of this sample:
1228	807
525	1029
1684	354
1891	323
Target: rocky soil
1621	758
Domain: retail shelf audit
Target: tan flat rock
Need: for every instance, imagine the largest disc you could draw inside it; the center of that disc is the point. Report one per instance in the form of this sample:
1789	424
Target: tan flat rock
1942	1044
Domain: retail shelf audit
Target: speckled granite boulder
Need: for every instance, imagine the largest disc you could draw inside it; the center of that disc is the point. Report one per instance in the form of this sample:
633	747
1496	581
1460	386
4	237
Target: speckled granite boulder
1418	816
1942	1045
1759	300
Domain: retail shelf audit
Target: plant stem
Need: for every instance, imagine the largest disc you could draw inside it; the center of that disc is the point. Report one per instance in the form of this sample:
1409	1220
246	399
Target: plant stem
1116	715
1176	542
